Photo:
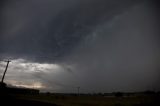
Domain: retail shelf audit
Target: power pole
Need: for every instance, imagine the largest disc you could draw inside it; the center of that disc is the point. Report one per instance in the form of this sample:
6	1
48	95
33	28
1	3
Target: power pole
5	70
78	90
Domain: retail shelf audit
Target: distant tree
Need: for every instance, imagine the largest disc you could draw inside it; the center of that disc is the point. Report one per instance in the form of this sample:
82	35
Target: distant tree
100	94
118	94
2	85
149	92
48	93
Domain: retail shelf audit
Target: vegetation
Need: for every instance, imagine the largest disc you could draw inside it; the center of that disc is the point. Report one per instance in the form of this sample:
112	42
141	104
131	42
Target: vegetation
95	100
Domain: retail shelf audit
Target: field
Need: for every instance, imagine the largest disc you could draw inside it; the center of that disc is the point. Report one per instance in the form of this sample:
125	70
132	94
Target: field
93	100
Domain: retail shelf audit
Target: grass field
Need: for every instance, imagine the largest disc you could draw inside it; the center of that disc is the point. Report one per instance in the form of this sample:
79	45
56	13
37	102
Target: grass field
86	100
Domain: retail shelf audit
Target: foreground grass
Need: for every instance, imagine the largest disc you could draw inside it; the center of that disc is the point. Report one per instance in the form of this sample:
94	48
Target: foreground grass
67	100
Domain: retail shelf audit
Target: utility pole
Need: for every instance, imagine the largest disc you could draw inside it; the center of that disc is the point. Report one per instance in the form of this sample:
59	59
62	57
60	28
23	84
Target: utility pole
5	70
78	90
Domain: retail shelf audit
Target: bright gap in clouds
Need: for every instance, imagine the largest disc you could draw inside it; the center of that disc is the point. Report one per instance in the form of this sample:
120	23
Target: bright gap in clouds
23	73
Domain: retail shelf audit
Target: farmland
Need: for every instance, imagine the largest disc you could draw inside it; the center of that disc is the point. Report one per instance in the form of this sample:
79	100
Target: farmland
93	100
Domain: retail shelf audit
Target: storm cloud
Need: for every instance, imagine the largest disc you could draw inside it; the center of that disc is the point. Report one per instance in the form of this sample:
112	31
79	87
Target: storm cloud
99	45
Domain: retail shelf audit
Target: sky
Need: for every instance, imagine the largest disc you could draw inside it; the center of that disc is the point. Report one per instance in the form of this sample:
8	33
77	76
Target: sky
97	45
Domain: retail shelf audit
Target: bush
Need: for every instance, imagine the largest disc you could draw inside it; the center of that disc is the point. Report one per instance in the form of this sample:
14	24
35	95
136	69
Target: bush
118	94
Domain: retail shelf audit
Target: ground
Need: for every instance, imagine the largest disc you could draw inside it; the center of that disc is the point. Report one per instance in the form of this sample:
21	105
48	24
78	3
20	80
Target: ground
87	100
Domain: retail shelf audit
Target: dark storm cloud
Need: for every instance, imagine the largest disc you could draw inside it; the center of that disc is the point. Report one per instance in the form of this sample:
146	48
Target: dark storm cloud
100	45
122	54
52	28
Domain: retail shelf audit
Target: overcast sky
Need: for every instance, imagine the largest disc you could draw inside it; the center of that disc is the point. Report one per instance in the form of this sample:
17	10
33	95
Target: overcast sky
98	45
